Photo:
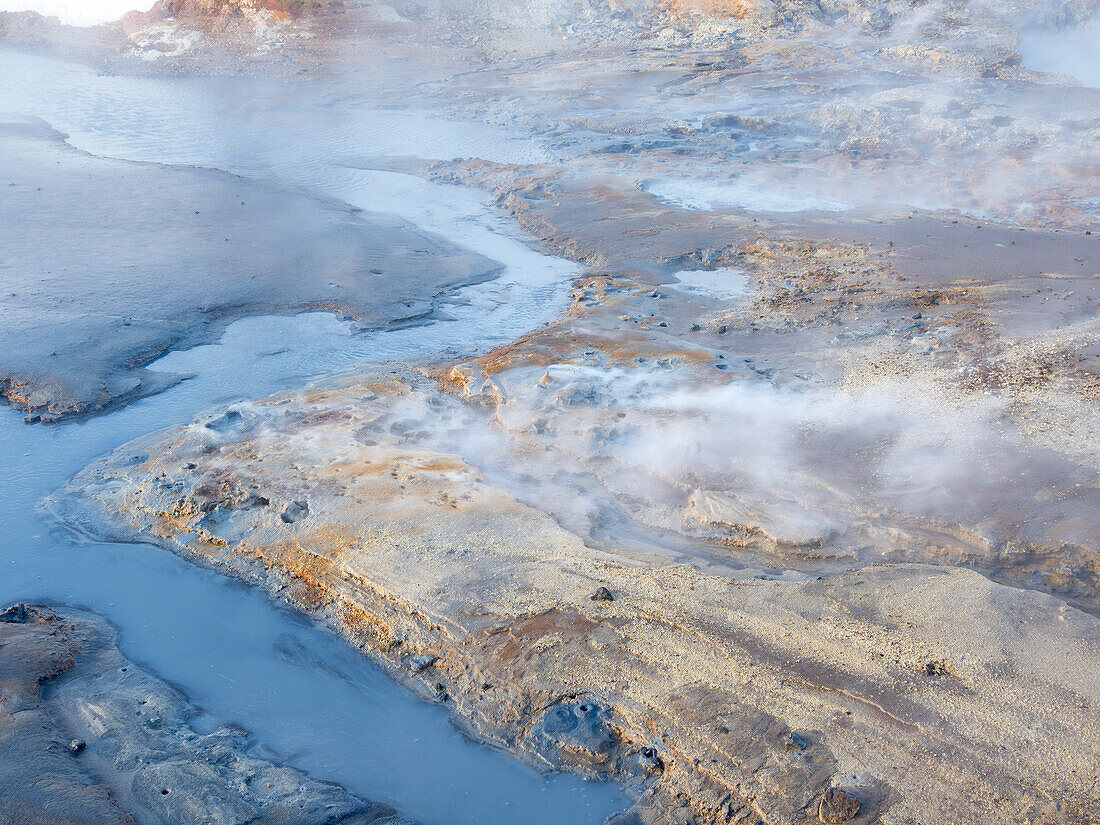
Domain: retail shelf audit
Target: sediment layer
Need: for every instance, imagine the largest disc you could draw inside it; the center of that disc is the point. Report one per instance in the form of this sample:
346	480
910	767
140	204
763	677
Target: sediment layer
87	736
920	691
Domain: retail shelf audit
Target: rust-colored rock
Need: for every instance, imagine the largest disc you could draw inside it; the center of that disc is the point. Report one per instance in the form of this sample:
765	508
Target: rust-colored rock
838	806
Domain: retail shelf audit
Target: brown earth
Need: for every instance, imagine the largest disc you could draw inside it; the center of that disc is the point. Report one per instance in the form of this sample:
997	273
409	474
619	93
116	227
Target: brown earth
717	696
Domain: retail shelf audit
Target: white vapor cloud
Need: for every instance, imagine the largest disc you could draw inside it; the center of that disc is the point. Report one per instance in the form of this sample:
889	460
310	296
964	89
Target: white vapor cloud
78	12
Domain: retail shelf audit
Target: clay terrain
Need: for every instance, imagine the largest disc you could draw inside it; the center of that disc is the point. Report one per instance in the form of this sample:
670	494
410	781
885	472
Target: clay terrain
785	512
88	736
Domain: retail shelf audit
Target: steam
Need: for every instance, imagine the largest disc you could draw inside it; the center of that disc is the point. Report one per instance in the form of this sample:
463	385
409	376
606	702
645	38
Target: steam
616	452
1072	52
78	12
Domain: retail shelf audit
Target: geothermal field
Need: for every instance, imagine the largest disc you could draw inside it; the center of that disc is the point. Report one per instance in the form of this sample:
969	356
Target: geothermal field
562	412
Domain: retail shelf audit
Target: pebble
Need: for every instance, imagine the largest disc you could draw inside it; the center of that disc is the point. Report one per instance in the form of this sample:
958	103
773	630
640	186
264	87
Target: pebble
795	741
650	761
77	745
602	594
937	668
420	663
837	806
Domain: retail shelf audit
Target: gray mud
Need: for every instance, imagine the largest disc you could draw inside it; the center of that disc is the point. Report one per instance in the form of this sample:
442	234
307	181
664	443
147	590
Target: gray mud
95	738
107	264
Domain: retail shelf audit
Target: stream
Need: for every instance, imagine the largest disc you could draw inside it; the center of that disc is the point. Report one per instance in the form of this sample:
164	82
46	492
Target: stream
241	657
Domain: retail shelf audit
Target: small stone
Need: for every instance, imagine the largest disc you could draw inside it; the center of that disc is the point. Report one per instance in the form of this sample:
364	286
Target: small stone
16	614
795	741
650	761
837	806
602	594
295	511
937	668
420	663
77	745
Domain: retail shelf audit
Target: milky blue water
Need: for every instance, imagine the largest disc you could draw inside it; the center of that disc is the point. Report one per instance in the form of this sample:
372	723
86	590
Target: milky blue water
241	657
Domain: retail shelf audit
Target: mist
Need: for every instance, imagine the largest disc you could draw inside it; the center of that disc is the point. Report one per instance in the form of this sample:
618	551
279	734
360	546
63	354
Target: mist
1071	51
78	12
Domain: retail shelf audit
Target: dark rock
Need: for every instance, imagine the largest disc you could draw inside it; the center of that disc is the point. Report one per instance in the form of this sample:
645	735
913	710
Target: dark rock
420	663
77	745
837	806
649	760
938	668
795	741
602	594
16	614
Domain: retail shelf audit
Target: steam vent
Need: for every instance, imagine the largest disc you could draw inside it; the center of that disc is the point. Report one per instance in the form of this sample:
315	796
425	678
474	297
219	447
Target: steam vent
549	412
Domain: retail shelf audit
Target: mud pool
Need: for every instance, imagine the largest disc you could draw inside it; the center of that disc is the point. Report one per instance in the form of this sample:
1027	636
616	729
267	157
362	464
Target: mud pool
301	691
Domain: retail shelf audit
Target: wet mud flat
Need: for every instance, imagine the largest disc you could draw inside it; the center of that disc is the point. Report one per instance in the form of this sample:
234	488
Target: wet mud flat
88	736
153	257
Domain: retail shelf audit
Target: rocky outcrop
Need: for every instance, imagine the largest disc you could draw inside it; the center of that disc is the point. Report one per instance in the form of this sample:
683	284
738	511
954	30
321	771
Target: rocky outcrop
87	736
715	697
